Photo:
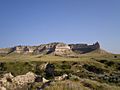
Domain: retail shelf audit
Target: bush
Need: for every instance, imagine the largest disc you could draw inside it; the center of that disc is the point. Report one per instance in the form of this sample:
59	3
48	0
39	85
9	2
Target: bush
93	69
110	63
103	61
2	66
49	71
65	66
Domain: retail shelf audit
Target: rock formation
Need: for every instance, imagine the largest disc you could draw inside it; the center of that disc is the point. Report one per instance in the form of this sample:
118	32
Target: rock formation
59	78
15	83
56	48
6	50
45	48
84	48
24	49
62	49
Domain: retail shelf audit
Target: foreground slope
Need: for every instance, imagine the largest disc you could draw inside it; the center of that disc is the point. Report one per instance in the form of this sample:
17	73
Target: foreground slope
86	74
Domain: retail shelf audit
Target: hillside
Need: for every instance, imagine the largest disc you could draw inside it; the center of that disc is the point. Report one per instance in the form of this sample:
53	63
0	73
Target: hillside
62	73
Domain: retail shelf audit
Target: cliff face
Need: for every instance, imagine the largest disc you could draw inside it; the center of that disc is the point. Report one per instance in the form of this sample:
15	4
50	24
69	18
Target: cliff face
45	48
6	50
84	48
62	49
24	49
55	48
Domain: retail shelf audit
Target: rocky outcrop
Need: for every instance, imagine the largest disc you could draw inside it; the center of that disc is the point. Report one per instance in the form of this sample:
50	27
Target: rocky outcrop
24	49
6	50
55	48
84	48
45	48
59	78
62	49
15	83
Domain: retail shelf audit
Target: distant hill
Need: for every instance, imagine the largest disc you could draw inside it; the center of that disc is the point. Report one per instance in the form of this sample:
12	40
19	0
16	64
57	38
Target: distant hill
56	48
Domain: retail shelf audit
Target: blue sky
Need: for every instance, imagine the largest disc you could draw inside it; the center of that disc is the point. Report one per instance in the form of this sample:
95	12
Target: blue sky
32	22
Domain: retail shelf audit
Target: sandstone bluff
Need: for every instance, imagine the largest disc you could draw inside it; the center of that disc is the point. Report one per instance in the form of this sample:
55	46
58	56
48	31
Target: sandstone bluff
55	48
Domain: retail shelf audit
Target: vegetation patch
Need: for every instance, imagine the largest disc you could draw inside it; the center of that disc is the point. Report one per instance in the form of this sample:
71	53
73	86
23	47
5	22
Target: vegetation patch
93	69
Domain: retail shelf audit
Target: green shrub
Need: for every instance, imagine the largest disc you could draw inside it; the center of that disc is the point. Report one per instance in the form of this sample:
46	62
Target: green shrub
94	69
65	66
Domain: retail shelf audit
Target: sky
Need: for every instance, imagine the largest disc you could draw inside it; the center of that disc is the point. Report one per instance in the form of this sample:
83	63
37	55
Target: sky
34	22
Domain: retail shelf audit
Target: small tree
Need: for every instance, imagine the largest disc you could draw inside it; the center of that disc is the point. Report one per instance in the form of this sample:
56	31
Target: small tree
49	71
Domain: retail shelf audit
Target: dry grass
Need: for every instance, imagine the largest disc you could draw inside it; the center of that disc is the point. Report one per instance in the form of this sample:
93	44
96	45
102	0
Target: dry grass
28	57
66	85
83	84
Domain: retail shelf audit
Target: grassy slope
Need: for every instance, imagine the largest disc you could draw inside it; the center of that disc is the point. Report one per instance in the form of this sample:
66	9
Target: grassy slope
91	59
84	84
28	57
